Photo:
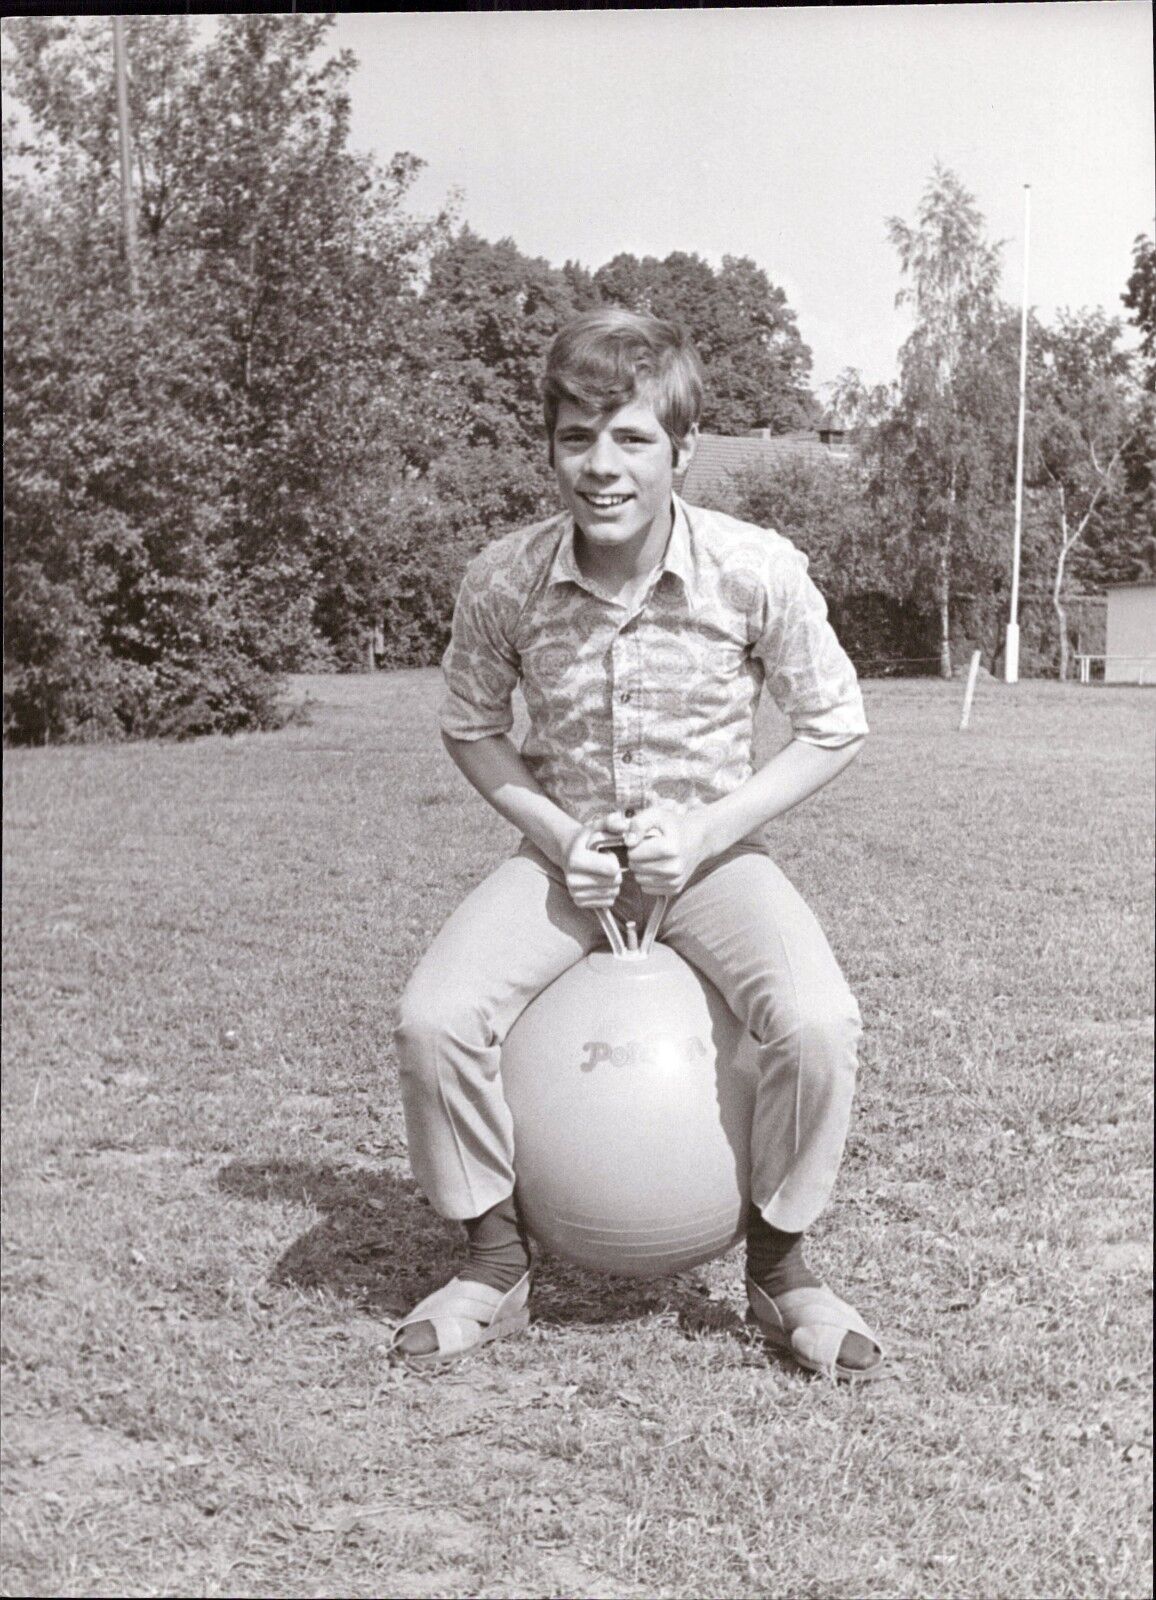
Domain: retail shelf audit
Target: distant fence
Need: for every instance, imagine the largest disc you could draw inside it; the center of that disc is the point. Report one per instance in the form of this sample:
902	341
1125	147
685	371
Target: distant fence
896	666
1140	669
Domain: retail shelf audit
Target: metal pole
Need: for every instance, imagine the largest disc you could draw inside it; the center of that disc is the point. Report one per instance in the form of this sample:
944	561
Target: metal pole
1011	658
128	210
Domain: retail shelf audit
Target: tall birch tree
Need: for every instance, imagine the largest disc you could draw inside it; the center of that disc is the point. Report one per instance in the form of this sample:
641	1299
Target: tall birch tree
943	424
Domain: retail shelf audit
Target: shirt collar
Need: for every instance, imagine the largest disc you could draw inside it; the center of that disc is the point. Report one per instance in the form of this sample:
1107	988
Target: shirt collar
677	559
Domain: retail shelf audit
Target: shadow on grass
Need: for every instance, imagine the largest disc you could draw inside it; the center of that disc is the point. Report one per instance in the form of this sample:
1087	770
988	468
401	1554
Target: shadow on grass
380	1244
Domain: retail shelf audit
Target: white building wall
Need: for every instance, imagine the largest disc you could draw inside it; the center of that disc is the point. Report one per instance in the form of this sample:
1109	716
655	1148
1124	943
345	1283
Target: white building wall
1131	634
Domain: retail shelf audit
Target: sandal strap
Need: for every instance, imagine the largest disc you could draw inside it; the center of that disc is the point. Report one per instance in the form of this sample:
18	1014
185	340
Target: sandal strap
460	1308
814	1321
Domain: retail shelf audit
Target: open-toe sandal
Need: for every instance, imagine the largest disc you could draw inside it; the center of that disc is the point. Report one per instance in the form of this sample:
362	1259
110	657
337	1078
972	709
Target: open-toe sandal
810	1325
464	1317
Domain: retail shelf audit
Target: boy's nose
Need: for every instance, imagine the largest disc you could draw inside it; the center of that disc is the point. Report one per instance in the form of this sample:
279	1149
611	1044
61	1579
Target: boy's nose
603	459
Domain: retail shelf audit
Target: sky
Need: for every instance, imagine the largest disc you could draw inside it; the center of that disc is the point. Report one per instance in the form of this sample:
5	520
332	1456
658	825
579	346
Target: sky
786	134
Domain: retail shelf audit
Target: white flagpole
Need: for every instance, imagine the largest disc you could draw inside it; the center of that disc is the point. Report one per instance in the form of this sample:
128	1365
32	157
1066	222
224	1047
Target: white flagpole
1011	657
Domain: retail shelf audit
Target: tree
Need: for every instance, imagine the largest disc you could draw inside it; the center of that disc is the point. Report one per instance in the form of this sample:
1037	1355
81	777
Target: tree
488	316
756	364
1140	298
308	264
215	466
949	429
120	618
857	405
1140	452
1084	417
821	507
471	434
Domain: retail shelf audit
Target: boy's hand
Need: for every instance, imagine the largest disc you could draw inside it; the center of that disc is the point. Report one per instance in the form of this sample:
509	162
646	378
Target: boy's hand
666	847
593	877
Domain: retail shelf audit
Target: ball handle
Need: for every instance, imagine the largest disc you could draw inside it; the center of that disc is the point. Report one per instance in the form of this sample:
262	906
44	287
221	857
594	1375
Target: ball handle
654	922
611	929
635	950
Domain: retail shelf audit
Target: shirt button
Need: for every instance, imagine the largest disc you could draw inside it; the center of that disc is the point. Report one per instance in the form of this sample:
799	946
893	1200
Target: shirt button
629	812
627	756
625	696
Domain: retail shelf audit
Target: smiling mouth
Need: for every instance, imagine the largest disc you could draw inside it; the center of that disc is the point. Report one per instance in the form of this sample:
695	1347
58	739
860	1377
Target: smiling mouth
606	502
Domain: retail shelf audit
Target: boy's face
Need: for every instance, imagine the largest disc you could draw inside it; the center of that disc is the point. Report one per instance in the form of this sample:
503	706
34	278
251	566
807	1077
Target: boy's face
614	471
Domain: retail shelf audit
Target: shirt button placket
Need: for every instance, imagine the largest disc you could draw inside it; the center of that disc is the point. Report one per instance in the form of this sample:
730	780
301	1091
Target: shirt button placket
626	698
619	733
633	756
619	720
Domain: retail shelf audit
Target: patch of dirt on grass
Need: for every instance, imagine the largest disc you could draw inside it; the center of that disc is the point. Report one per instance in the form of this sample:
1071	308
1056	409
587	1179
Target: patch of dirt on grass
441	1552
122	1156
305	1100
62	1455
433	1551
566	1576
1122	1259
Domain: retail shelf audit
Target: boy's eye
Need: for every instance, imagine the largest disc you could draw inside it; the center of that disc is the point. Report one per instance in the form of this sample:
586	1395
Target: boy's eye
580	441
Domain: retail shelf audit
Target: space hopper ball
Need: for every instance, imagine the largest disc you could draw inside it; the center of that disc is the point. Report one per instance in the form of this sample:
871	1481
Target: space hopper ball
631	1085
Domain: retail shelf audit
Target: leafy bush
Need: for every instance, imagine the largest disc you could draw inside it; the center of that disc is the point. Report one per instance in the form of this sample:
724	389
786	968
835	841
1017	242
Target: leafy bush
185	475
435	524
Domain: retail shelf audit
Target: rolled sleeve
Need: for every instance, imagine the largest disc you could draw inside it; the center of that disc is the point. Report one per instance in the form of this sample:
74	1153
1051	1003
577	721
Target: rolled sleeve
480	667
808	673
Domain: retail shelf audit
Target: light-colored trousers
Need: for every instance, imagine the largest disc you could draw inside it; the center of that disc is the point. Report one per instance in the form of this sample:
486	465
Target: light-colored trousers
739	921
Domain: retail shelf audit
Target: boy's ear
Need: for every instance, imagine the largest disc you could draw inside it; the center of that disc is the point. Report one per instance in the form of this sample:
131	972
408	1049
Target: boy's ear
684	451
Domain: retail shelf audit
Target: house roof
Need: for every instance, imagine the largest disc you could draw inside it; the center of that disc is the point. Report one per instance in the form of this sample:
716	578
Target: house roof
720	458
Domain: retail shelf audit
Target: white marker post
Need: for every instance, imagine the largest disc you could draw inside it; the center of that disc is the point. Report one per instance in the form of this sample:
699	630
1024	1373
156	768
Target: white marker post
1011	655
973	674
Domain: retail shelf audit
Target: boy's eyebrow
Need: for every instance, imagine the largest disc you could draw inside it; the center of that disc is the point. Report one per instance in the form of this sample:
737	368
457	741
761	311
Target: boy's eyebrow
623	427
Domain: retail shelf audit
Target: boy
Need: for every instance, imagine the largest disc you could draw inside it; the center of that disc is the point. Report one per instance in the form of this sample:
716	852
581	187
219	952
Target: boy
641	630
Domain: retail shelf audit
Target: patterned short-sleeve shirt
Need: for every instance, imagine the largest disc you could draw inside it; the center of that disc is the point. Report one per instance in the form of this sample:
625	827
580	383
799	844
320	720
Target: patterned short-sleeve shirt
655	700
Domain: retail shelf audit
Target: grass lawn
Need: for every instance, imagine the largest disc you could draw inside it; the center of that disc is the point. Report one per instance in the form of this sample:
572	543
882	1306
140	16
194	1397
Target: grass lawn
209	1218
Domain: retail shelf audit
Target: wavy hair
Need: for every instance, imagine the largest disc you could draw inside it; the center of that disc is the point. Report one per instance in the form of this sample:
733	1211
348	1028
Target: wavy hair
607	357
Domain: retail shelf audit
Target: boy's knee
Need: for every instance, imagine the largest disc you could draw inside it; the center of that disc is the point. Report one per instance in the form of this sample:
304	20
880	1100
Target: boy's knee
428	1019
823	1027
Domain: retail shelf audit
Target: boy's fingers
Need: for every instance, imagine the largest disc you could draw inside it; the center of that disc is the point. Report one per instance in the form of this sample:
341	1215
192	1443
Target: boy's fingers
655	847
595	891
600	865
605	863
614	825
650	834
654	816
